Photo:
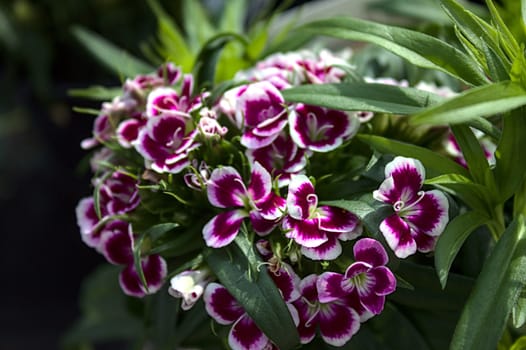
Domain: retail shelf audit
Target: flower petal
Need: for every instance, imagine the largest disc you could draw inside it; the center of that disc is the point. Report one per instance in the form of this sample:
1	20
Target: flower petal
404	179
328	250
253	141
226	188
272	207
287	282
329	288
372	302
117	242
385	281
261	225
245	335
301	198
221	305
430	214
397	233
336	219
306	233
87	219
338	323
260	183
154	269
370	251
425	243
222	229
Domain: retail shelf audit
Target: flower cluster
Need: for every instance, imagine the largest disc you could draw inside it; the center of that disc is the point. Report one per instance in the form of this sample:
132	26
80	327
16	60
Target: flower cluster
250	163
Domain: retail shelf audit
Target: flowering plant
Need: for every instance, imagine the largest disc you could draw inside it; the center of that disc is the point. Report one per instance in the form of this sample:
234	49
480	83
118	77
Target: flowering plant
296	201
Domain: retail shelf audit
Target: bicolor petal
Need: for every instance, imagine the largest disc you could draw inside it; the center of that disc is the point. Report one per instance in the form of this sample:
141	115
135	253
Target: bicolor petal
304	232
335	219
301	198
430	214
223	228
221	305
245	335
226	188
328	250
338	323
371	252
117	242
397	233
260	184
154	269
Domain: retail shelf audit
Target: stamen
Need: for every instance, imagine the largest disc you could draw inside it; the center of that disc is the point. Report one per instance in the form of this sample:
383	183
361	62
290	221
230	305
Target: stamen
308	323
400	204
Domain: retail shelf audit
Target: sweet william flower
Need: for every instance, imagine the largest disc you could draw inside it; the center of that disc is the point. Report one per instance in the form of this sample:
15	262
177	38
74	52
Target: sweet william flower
336	320
367	279
189	285
419	216
317	229
226	189
320	129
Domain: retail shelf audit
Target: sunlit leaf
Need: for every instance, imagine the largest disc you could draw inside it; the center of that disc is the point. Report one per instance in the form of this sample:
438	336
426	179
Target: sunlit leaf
435	163
510	168
96	93
363	97
495	293
484	101
114	58
420	49
452	239
197	24
474	155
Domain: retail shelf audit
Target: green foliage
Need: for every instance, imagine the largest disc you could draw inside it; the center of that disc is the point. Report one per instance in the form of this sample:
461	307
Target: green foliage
238	269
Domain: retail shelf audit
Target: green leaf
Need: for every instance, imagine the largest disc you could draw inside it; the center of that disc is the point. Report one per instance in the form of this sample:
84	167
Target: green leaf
495	293
172	45
435	163
518	314
452	239
358	96
233	16
474	154
99	93
510	168
476	196
257	294
206	61
156	231
420	49
114	58
475	30
193	12
485	101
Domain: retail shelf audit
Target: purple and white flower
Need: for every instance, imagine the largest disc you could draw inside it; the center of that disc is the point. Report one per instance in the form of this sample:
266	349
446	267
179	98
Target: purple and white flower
190	286
154	270
166	142
367	279
257	201
419	216
320	129
336	320
317	229
282	158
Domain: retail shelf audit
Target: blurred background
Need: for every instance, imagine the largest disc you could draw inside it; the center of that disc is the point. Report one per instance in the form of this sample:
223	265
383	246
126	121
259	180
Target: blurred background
42	259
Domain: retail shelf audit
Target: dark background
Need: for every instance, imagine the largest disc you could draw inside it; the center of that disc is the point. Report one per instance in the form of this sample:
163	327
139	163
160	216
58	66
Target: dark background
42	258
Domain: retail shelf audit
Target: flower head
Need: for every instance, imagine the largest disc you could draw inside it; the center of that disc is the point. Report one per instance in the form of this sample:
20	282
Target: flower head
317	229
419	216
226	189
189	285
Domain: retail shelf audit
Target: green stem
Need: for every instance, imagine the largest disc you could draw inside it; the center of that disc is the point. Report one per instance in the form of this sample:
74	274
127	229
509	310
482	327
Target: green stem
497	225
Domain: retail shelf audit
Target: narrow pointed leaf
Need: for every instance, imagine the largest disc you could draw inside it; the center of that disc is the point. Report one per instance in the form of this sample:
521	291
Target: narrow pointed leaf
357	96
435	163
258	294
197	24
97	92
474	195
474	154
206	61
114	58
452	239
420	49
476	30
510	169
496	290
482	101
233	16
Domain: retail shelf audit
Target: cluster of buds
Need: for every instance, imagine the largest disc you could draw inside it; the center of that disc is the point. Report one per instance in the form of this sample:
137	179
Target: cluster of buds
244	160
